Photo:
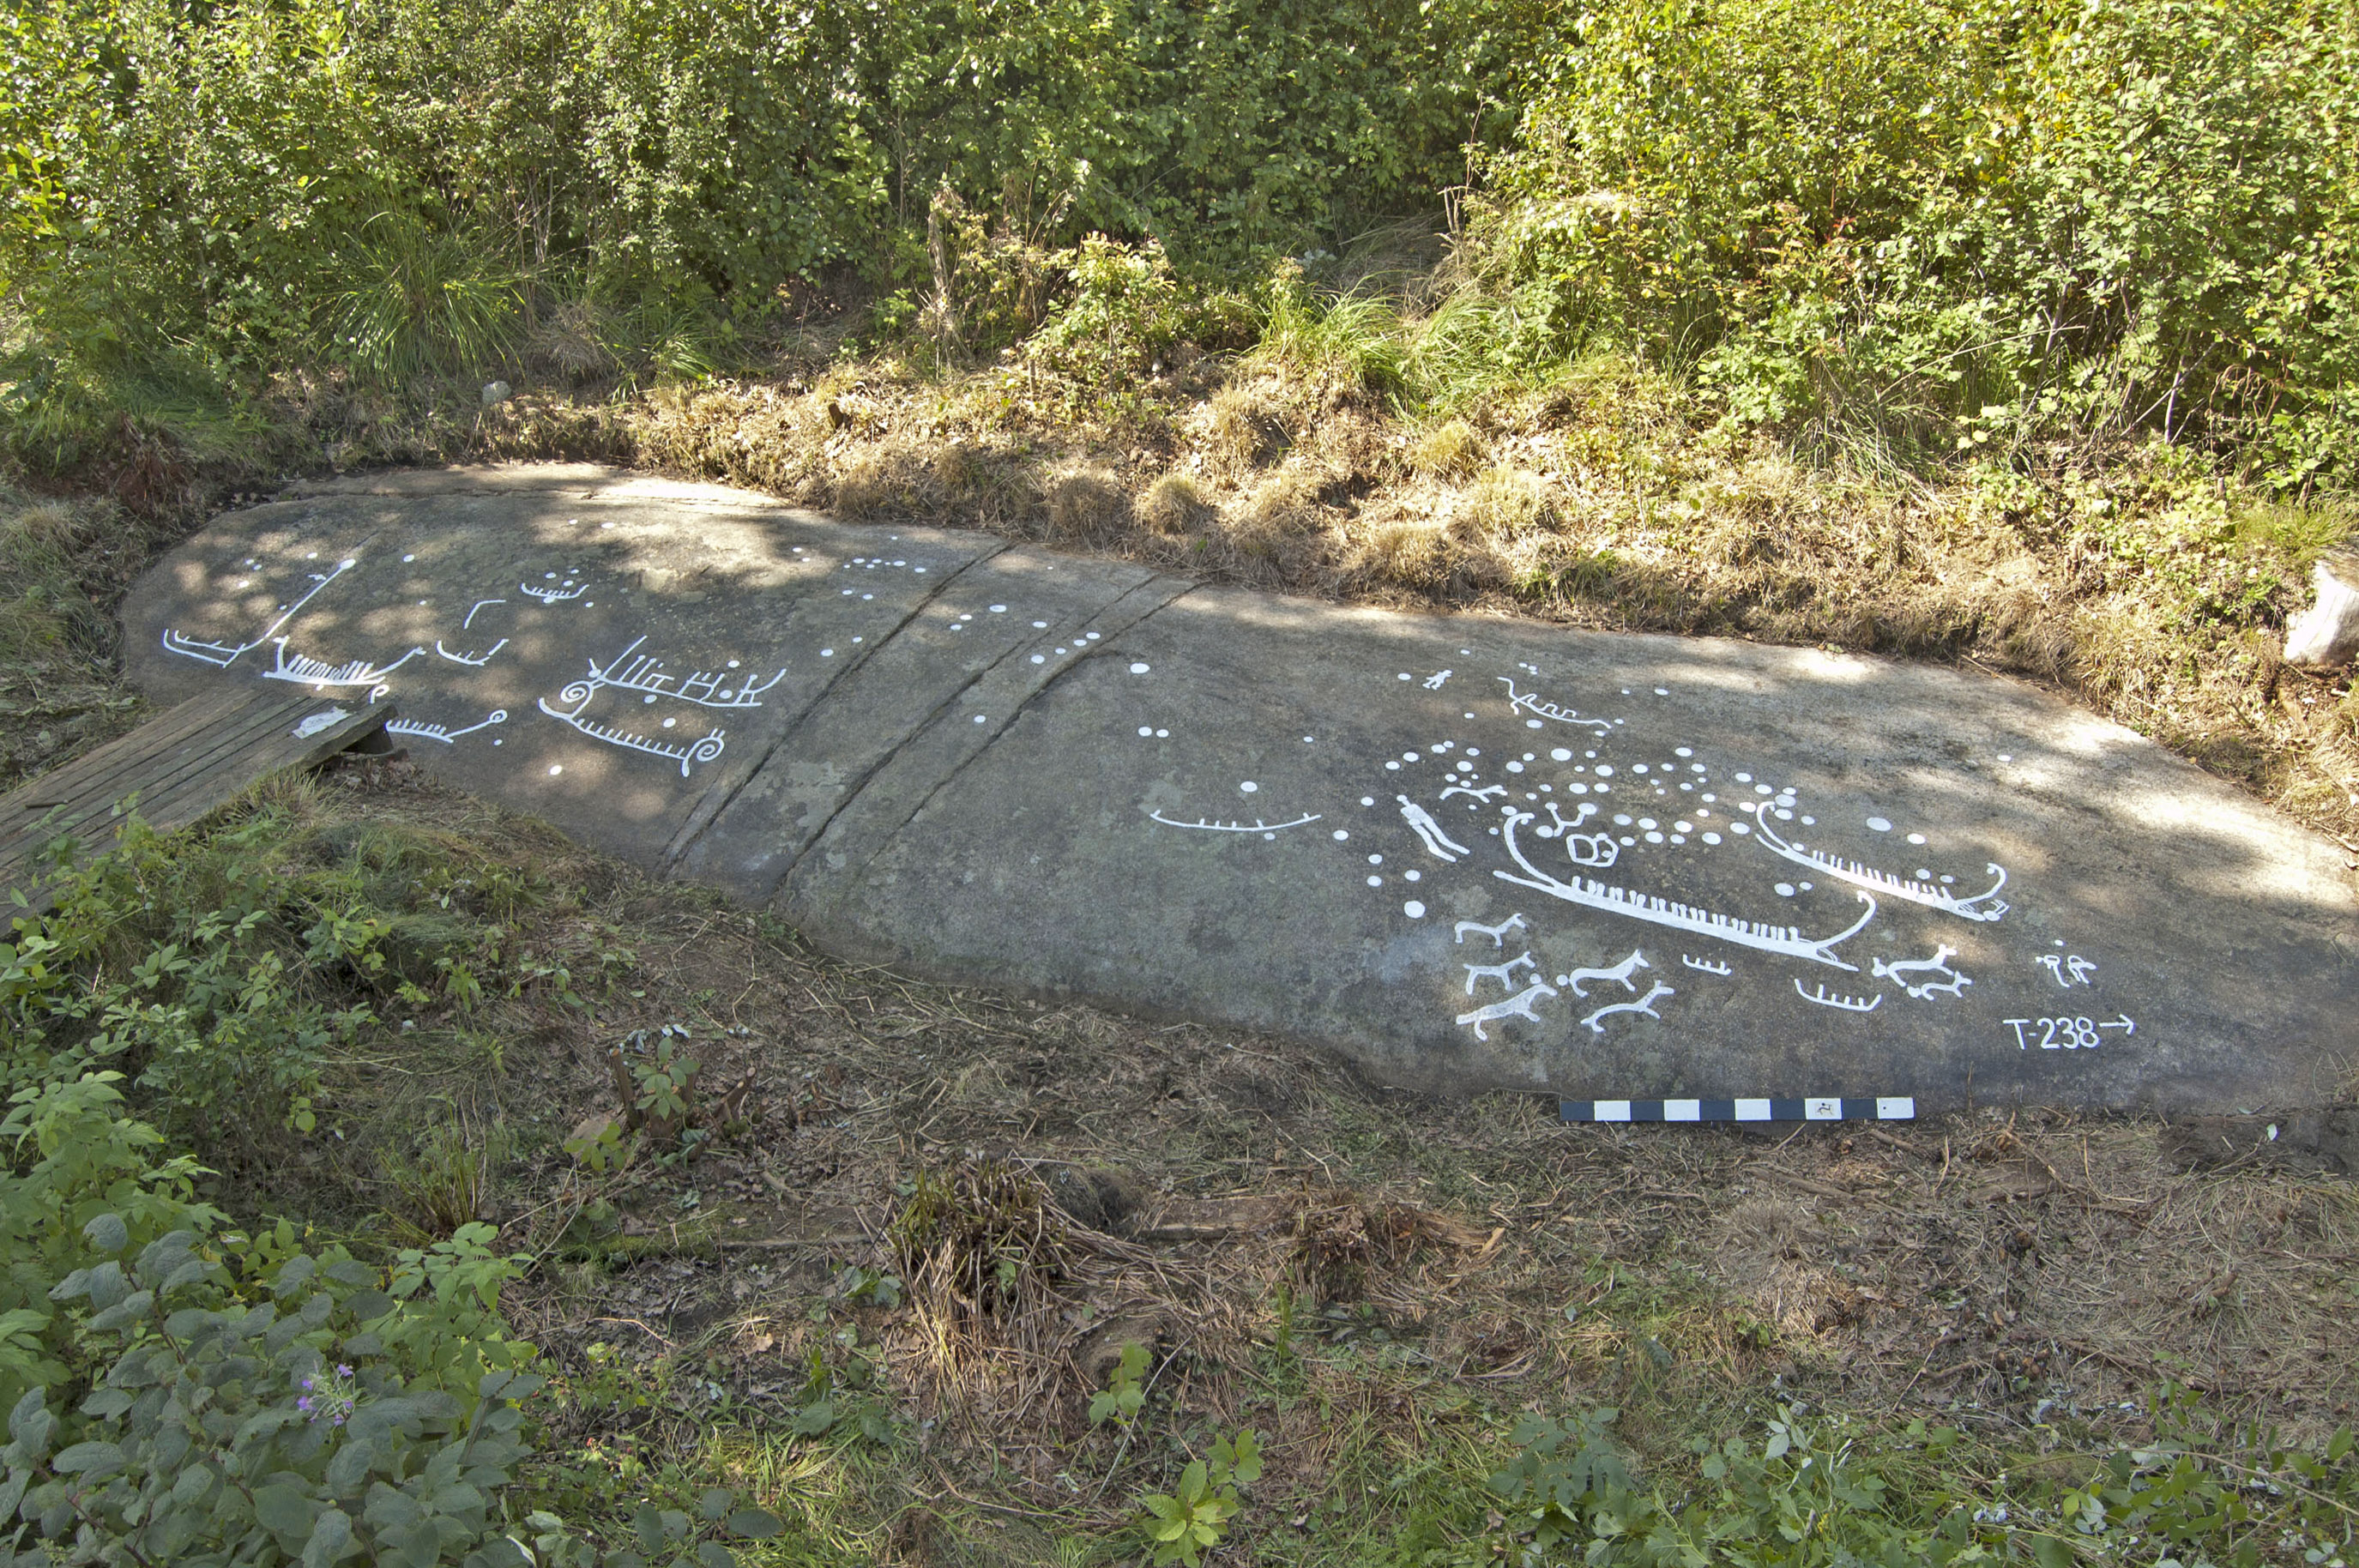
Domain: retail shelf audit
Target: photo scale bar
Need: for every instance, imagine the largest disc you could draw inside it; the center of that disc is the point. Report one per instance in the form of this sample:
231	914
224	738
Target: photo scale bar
1825	1108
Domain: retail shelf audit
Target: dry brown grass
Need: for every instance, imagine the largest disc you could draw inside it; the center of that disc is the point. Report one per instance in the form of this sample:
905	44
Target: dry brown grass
1088	505
1175	504
1605	499
1449	450
1177	1187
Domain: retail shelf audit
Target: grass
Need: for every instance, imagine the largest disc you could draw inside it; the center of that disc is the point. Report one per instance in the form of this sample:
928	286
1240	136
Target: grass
1383	1285
1372	447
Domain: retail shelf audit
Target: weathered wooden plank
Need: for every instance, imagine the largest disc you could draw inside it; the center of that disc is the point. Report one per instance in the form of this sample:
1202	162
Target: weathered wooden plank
274	749
194	763
174	768
85	773
144	766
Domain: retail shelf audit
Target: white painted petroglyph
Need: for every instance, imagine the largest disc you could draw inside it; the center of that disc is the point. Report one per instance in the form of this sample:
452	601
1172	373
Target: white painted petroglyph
1620	973
1206	824
1950	983
1614	900
1645	1003
1485	793
644	674
1505	974
686	753
1595	851
1707	965
1498	933
1841	1003
474	661
417	729
2067	970
222	655
479	604
1422	823
556	596
1983	906
1519	1005
1531	703
305	671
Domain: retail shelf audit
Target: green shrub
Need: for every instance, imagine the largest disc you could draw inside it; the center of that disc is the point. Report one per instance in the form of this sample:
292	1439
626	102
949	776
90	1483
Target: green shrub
221	973
1966	223
203	198
1827	1492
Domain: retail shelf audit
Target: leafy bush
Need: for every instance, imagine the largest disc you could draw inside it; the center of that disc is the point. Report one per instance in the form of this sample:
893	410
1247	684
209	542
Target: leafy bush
252	1402
1824	1493
202	199
1971	221
221	973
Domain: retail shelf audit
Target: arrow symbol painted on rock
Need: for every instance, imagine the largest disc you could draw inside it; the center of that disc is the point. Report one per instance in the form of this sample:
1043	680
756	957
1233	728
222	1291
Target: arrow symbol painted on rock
2122	1023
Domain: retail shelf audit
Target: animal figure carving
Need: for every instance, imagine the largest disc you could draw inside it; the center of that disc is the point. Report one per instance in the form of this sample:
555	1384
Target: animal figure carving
1952	983
1515	1006
1645	1003
1498	933
1620	971
1505	974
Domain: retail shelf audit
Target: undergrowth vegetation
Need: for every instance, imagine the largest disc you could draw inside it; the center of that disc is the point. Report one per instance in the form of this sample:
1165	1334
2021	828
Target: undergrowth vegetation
389	1180
595	1273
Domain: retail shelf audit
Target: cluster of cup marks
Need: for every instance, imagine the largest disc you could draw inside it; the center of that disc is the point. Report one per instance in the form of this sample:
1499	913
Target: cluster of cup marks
1690	806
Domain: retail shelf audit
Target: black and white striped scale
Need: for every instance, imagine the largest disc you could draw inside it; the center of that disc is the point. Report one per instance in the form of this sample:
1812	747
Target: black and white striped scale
1823	1108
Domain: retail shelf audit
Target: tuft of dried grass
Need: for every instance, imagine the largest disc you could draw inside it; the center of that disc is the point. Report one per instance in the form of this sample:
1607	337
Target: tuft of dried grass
1406	551
1087	505
888	480
1450	451
570	341
1287	502
1240	428
1175	504
1503	504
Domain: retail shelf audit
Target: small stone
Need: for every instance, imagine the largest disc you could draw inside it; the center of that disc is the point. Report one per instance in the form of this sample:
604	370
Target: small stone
2327	634
495	392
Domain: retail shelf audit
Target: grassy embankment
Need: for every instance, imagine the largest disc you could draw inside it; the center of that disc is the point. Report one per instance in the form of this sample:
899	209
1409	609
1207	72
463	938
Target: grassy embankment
2015	339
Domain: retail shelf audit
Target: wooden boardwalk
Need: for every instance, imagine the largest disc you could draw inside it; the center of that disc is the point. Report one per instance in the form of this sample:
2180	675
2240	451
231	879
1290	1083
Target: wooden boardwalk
170	771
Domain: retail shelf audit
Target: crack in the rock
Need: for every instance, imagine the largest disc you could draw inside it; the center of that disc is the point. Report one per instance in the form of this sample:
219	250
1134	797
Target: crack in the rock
699	822
1181	588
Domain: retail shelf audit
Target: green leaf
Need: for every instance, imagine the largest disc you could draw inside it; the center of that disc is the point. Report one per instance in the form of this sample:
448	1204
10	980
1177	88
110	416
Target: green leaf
30	1425
417	1545
1193	1480
89	1460
713	1505
1240	1458
107	1233
331	1534
755	1524
284	1509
